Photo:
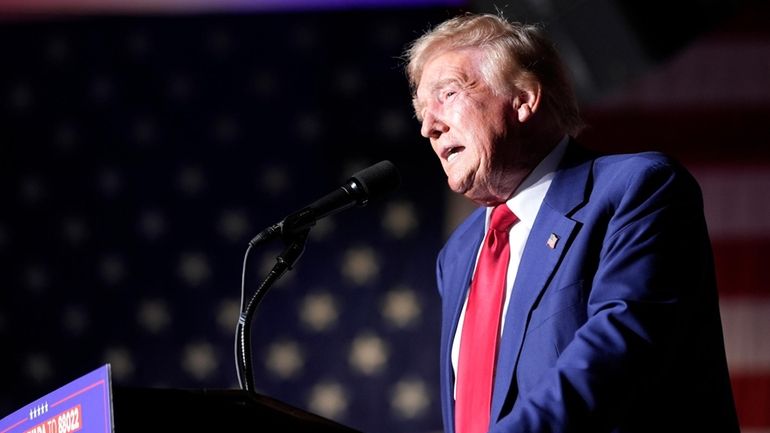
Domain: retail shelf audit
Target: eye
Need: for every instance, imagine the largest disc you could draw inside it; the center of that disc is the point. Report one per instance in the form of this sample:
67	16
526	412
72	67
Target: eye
449	93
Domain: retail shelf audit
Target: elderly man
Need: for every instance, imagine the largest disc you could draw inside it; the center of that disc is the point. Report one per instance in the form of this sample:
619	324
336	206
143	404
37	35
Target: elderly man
580	296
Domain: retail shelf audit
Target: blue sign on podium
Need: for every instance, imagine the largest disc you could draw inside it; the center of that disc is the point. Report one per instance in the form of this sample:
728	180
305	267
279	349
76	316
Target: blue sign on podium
83	405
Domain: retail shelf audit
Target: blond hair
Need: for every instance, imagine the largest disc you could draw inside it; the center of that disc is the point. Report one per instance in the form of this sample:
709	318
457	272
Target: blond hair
516	54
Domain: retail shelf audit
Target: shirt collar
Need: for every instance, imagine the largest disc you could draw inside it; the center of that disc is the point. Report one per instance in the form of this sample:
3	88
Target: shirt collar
530	194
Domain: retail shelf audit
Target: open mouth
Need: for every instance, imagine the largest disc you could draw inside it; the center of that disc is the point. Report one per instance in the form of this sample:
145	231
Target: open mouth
452	152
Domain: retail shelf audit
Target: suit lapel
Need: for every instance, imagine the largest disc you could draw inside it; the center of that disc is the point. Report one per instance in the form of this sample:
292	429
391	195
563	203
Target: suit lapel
458	269
548	241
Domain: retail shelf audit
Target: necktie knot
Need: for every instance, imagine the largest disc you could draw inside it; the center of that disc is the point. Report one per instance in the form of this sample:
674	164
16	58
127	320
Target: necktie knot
502	218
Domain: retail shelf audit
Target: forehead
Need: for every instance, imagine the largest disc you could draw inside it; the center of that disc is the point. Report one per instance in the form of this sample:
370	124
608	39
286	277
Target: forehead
446	66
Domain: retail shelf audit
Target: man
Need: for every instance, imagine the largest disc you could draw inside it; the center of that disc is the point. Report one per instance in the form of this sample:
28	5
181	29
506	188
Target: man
591	305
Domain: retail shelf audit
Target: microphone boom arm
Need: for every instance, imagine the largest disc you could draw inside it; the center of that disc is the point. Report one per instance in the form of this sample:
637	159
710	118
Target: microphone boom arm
295	246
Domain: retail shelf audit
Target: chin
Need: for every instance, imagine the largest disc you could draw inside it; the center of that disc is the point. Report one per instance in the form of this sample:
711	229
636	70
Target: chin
458	188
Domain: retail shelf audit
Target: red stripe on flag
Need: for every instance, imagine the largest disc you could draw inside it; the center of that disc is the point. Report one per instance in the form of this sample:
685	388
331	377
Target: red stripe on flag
740	136
741	266
752	399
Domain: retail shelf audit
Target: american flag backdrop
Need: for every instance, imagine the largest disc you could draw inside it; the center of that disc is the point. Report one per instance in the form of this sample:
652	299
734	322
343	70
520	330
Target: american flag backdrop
140	153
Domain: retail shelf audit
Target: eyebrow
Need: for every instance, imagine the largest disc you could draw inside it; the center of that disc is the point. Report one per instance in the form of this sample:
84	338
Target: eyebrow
444	82
435	88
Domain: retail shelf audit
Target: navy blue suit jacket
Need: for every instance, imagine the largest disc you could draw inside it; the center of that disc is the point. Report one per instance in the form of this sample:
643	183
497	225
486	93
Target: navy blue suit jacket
616	328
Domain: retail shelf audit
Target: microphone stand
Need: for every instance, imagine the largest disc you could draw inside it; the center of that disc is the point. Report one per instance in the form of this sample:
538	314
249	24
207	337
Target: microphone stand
295	246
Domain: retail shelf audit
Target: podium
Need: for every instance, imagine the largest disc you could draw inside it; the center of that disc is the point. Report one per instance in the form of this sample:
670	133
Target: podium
91	404
148	410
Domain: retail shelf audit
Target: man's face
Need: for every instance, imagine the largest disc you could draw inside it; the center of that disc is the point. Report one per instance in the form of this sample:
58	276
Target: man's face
471	129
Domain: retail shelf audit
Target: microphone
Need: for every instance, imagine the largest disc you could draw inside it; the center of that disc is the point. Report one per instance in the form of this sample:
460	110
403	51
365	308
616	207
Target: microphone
370	183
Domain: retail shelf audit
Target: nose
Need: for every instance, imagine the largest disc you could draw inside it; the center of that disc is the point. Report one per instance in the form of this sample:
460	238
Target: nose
432	125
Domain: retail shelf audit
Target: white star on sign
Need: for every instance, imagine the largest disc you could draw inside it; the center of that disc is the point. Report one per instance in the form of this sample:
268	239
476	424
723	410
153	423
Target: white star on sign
153	315
143	131
199	360
112	269
227	314
32	189
318	311
225	129
121	362
191	180
110	181
36	278
328	399
194	269
152	224
400	307
360	265
234	225
275	180
309	128
349	81
409	398
368	354
284	359
74	230
75	319
393	124
400	219
39	367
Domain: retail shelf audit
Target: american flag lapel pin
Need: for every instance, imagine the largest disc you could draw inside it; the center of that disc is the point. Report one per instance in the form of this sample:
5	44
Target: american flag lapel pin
552	240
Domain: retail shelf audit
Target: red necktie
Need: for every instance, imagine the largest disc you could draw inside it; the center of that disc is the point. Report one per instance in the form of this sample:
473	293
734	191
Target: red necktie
481	328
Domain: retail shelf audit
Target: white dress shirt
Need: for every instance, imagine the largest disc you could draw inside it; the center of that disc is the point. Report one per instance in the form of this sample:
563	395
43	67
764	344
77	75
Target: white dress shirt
525	204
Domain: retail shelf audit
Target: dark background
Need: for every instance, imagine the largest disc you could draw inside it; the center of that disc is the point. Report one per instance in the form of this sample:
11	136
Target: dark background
139	152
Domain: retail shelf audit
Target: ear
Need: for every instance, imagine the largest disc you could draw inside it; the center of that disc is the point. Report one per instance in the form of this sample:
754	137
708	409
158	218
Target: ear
527	101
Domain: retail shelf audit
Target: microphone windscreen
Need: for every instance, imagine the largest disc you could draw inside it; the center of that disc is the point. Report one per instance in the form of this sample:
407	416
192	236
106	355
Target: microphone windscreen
379	179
